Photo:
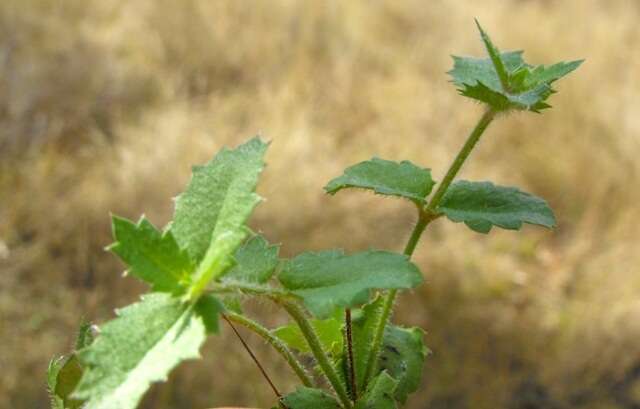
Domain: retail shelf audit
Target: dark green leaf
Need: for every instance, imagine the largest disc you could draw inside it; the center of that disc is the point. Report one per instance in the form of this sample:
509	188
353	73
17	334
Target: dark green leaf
363	327
379	394
209	308
152	256
309	398
256	261
386	177
139	347
402	355
330	279
481	205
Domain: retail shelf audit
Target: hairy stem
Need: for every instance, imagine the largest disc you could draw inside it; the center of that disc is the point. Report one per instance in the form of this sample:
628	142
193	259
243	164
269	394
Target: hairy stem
349	343
425	217
298	315
255	359
276	343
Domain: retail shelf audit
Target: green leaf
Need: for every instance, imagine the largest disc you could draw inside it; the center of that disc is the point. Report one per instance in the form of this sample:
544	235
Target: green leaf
67	379
209	309
256	261
379	394
329	332
219	198
402	355
364	323
85	335
307	398
504	81
386	177
152	256
139	347
53	370
330	279
481	205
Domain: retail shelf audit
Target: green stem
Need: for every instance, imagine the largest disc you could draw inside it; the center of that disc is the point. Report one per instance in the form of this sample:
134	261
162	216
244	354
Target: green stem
275	342
297	313
425	217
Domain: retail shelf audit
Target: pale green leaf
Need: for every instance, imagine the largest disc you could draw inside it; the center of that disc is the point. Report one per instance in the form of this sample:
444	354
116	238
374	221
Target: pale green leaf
152	256
310	398
330	279
329	332
139	347
219	198
402	356
481	205
385	177
379	394
256	261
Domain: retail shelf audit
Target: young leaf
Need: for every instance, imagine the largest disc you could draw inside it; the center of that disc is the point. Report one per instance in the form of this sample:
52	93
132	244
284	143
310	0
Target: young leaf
329	332
504	81
385	177
402	356
219	198
481	205
57	402
330	279
209	309
66	381
307	398
139	347
363	327
152	256
256	261
379	394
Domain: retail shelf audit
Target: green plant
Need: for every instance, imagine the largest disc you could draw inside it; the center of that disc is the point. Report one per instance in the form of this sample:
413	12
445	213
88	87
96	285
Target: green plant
206	260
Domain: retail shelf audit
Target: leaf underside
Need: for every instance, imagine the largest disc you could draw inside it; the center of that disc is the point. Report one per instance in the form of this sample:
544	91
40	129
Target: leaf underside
330	279
329	332
379	394
385	177
481	205
139	347
505	81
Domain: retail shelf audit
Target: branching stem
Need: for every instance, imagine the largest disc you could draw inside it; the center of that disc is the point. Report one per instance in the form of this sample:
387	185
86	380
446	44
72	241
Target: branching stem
426	216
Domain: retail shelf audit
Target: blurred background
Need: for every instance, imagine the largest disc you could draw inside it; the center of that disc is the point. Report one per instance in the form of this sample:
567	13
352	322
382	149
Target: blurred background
105	105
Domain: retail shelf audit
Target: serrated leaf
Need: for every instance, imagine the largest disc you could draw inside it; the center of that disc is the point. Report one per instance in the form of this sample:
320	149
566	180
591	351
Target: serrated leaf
481	205
330	279
402	356
219	198
504	81
385	177
152	256
329	332
308	398
256	261
379	394
138	348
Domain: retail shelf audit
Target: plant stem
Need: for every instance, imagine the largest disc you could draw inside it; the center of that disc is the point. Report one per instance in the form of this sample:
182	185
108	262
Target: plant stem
264	373
352	371
276	343
319	353
425	217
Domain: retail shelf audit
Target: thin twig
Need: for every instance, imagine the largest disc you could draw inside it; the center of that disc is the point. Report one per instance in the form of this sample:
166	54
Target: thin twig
264	373
352	368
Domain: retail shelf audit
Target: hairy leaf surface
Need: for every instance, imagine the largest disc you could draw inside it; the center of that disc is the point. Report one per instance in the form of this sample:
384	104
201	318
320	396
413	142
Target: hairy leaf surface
363	327
307	398
504	81
329	332
152	256
139	347
481	205
330	279
219	198
256	261
385	177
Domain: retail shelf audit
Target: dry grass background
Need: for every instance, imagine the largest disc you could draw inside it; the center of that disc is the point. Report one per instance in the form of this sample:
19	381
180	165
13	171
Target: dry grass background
104	105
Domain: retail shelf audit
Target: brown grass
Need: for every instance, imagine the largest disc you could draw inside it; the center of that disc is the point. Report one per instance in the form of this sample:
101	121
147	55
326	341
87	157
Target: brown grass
105	105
